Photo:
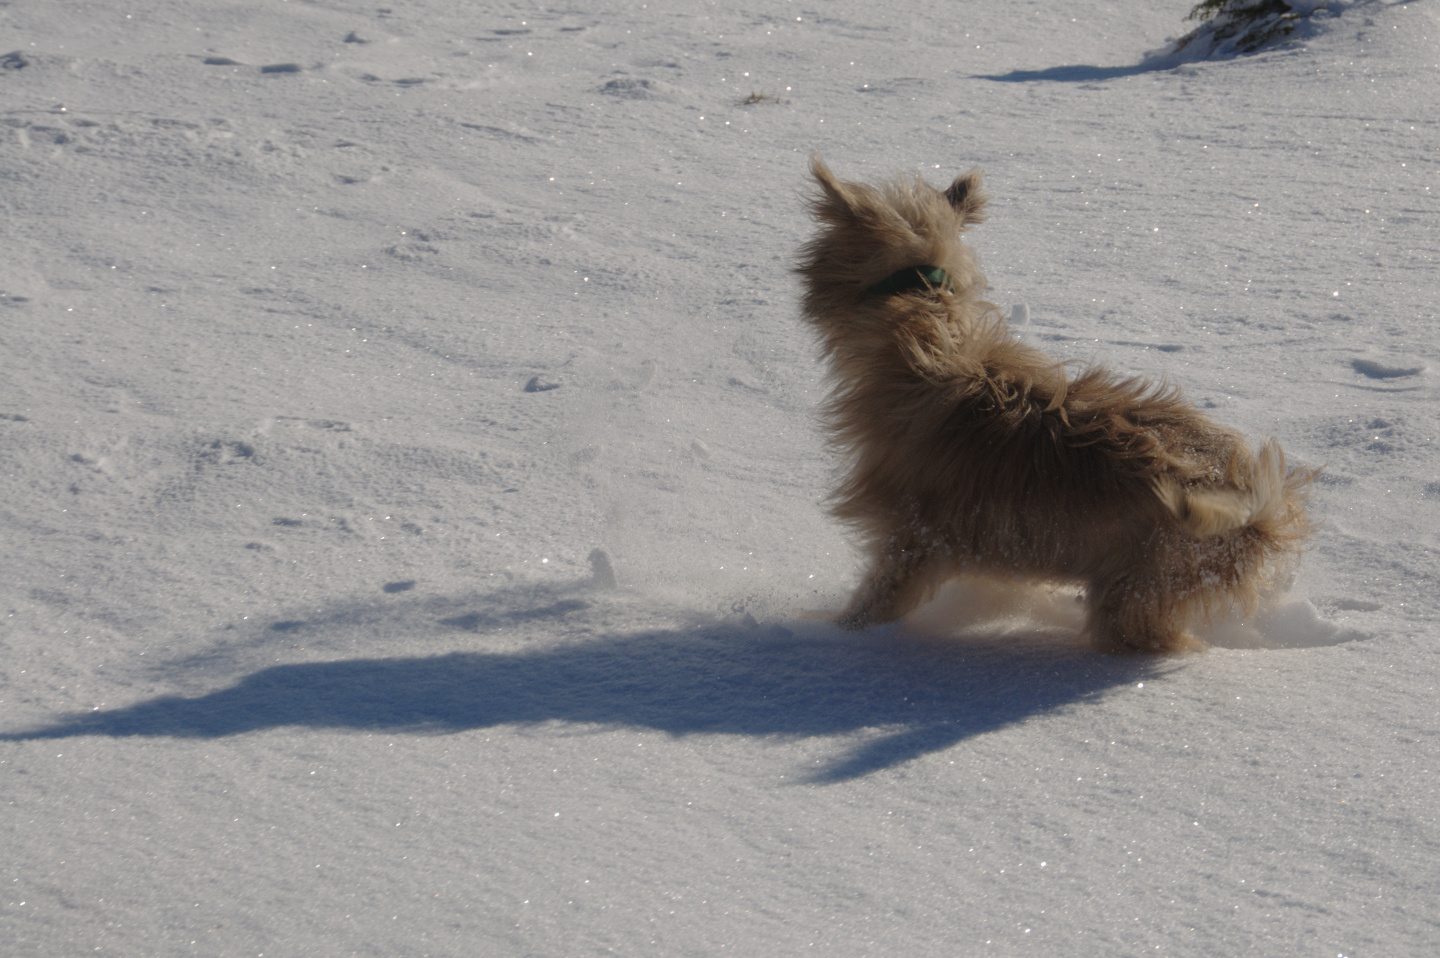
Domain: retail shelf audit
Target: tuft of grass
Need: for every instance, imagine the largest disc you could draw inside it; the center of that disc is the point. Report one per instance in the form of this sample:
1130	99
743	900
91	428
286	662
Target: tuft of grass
1244	25
761	97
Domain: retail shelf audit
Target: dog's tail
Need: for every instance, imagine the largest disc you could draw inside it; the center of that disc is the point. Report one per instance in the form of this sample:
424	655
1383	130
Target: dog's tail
1211	512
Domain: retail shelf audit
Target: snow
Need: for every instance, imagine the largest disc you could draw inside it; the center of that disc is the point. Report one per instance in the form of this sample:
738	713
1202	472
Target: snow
413	522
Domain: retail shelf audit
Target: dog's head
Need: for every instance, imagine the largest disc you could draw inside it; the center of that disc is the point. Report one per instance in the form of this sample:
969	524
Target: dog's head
868	233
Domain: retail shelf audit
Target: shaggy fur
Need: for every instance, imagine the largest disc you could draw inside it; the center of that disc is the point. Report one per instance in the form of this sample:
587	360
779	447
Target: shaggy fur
969	451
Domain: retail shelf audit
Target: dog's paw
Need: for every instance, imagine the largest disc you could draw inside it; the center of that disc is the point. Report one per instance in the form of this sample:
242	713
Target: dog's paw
1173	643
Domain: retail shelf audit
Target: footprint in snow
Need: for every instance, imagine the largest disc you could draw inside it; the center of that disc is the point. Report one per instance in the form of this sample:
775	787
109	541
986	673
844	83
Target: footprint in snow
589	452
327	425
224	452
411	251
633	88
646	374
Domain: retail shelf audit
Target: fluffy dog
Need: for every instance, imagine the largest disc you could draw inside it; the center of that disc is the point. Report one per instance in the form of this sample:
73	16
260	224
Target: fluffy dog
971	452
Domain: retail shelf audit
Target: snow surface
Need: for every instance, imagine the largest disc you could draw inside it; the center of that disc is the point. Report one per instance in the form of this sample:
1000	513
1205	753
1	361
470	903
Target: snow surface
413	530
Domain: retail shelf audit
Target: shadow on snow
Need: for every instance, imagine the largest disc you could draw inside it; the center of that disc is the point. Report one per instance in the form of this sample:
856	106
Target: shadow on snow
912	696
1077	73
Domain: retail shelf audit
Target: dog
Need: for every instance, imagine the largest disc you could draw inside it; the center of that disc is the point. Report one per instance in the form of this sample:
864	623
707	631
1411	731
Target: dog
970	452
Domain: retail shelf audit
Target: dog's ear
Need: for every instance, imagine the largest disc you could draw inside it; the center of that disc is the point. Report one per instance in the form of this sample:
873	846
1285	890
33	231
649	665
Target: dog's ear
836	194
965	196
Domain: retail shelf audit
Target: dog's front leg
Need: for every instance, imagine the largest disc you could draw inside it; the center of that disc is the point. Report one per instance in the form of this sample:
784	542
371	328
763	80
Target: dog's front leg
901	576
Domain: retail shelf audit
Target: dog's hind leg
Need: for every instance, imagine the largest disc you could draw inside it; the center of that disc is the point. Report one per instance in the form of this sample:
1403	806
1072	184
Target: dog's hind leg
1139	611
901	576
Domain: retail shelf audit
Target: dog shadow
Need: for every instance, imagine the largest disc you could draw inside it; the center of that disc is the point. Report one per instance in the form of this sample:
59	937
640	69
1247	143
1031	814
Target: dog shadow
886	696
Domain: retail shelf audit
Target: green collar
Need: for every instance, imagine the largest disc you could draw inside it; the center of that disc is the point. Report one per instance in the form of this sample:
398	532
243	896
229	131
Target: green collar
912	278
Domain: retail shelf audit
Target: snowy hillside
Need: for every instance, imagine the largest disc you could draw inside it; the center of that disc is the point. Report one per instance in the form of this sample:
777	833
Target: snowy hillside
411	494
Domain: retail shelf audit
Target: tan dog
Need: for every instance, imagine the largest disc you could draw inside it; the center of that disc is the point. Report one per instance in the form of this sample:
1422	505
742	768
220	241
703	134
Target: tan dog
969	451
